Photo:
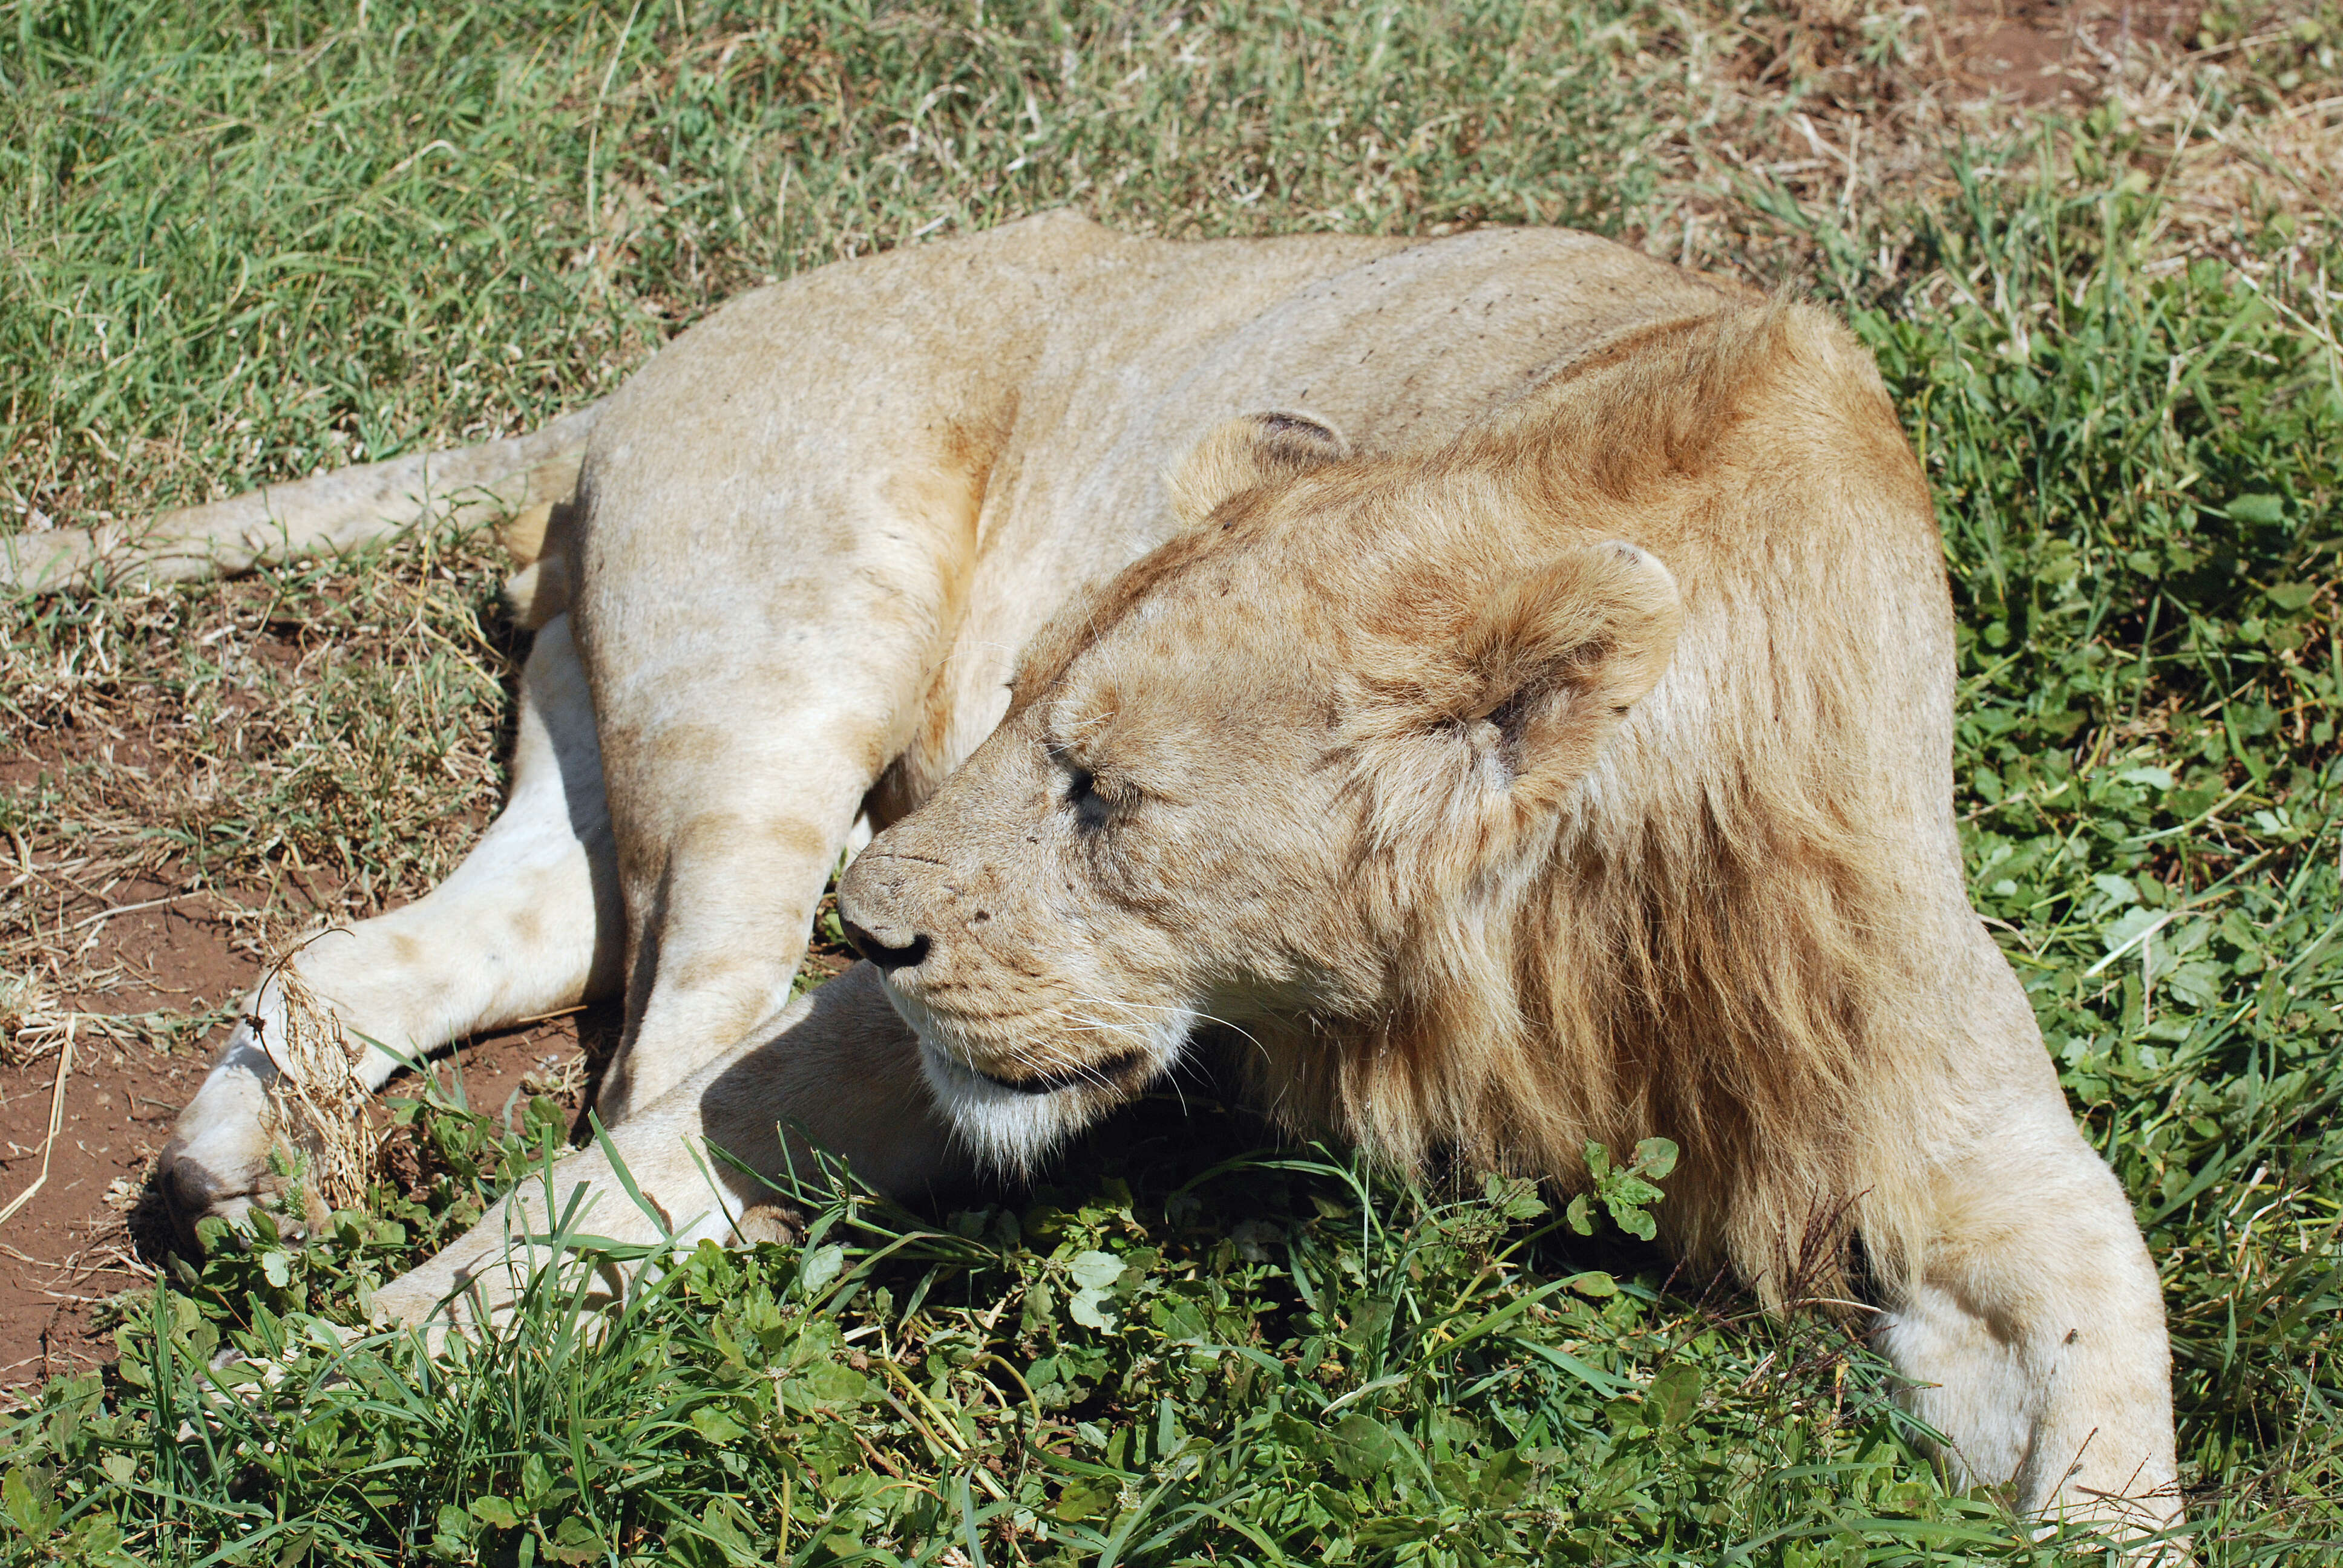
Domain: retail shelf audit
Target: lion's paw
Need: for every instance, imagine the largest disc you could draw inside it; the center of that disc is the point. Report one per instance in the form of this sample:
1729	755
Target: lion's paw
224	1160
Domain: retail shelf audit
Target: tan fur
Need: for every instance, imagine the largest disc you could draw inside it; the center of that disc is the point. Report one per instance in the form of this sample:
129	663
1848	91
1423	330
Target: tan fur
1544	738
541	539
1246	454
523	534
1725	951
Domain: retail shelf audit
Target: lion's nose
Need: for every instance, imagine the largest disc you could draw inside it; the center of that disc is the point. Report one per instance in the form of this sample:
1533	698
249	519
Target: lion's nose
880	908
886	955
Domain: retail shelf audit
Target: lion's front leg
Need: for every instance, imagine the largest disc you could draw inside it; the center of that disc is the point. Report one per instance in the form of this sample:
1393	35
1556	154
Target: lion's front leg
838	1063
2034	1332
530	922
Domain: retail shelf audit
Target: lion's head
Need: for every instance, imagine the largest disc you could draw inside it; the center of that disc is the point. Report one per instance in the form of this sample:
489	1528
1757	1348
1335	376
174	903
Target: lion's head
1229	782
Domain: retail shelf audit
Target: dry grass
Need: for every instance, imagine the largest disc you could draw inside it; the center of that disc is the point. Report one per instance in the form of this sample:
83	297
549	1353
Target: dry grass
318	1105
267	754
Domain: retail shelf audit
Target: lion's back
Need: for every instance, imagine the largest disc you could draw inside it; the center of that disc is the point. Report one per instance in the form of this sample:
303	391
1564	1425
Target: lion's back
940	446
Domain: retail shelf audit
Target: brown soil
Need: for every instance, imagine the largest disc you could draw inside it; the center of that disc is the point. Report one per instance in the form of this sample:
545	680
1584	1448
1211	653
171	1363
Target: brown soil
2039	53
2028	53
97	1227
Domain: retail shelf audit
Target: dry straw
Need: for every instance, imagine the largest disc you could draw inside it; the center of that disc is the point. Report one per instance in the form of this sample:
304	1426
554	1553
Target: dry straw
56	1119
318	1101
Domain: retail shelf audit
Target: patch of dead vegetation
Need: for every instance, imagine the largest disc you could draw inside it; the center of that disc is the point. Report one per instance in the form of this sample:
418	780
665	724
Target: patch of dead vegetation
319	1105
328	737
2231	115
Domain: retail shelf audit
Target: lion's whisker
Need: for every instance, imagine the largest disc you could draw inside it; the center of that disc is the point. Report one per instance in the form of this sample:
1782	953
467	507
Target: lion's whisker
1197	1014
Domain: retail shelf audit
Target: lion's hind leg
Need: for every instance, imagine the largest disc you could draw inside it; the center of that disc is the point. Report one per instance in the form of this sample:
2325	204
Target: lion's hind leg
528	923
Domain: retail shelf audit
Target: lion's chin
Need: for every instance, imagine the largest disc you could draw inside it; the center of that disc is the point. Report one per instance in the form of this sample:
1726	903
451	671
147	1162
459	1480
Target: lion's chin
1009	1127
1012	1124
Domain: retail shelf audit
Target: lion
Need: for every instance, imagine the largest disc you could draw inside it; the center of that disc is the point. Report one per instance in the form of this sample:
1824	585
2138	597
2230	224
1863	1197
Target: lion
1498	687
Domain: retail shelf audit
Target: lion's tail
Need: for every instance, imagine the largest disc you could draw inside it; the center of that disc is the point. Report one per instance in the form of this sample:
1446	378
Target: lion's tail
520	478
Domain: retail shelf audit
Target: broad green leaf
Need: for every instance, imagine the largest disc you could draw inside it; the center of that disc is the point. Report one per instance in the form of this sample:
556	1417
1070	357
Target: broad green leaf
835	1383
1370	1318
1360	1446
2133	921
820	1268
575	1540
1674	1394
494	1512
1096	1270
1086	1499
716	1426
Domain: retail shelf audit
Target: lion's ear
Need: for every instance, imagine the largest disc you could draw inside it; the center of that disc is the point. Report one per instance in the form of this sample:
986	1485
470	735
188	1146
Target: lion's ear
1556	656
1245	453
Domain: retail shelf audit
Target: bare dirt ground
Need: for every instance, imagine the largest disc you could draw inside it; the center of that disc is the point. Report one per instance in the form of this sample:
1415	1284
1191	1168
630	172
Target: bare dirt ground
147	942
2038	53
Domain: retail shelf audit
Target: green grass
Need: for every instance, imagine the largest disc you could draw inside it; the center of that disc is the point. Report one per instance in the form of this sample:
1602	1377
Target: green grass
445	222
1179	1348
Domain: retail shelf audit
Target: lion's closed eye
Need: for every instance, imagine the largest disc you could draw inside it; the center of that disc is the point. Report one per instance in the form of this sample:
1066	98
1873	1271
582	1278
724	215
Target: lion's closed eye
1091	806
1099	798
